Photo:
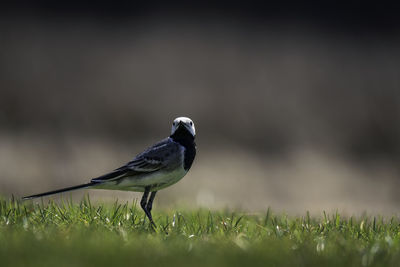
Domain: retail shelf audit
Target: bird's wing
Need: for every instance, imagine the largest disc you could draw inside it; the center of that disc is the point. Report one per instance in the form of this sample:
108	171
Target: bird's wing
152	159
115	174
155	157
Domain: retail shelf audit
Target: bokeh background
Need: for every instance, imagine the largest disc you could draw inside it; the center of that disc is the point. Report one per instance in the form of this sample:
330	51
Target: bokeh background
296	106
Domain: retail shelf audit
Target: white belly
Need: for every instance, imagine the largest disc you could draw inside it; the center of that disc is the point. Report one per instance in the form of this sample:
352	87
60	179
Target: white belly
157	180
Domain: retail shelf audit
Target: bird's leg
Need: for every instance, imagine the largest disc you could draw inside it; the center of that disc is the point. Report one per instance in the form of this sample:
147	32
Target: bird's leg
143	204
143	201
149	205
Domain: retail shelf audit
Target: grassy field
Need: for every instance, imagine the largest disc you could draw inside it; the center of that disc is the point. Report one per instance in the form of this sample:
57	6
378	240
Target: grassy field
83	234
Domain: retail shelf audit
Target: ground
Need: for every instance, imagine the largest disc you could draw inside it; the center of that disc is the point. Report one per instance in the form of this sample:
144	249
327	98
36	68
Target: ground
85	234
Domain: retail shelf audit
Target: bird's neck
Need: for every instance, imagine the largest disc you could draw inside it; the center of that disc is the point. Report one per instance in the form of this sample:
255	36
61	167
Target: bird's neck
183	137
186	139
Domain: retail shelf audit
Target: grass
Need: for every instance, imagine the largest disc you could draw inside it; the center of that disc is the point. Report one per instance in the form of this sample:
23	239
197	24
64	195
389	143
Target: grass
82	234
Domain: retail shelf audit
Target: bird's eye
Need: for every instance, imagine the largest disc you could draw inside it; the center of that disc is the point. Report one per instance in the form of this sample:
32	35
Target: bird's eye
191	123
173	124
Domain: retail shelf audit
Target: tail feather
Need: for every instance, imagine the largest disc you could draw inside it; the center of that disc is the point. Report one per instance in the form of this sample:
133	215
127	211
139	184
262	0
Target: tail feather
60	190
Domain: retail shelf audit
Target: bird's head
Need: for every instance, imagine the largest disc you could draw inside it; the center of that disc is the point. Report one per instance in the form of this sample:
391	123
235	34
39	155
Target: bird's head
183	123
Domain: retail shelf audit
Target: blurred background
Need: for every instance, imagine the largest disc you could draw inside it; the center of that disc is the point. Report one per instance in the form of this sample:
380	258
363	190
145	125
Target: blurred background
296	106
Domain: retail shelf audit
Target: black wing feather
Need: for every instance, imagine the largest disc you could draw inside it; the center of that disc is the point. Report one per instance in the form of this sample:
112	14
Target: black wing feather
111	175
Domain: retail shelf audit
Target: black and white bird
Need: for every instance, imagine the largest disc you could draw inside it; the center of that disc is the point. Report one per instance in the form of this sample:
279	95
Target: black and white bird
159	166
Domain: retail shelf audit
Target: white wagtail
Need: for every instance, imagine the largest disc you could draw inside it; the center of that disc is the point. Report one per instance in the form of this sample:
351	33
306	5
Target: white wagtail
159	166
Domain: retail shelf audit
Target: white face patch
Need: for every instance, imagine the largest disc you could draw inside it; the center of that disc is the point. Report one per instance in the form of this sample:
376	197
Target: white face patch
183	122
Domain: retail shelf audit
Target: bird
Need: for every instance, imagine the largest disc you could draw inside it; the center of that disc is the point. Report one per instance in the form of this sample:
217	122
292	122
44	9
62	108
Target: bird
157	167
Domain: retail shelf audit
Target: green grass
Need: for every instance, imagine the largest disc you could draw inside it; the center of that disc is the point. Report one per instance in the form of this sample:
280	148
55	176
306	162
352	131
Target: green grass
83	234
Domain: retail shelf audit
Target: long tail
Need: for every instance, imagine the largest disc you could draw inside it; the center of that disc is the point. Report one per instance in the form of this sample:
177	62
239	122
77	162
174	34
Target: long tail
61	190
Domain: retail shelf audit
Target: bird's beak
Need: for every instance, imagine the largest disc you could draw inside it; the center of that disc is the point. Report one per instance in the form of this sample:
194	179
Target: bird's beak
184	125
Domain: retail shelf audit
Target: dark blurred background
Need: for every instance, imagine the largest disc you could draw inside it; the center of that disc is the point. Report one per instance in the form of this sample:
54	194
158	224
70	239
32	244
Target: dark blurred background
296	105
